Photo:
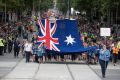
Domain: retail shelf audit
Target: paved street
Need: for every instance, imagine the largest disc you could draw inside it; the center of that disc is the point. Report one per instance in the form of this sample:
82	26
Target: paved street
67	36
7	64
17	69
113	72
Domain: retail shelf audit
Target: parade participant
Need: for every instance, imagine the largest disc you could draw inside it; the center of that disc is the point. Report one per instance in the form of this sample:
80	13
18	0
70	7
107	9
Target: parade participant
22	48
115	54
118	46
104	56
40	54
28	50
25	35
1	45
16	48
43	52
10	44
5	45
19	30
34	52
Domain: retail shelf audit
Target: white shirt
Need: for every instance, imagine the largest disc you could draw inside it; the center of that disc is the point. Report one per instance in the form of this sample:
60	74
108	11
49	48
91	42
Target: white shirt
28	47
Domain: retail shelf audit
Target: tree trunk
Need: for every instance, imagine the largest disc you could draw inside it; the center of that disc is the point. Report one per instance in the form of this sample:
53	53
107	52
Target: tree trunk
108	20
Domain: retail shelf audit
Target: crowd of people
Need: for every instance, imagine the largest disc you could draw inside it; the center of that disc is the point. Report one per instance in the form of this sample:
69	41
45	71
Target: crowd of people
8	33
15	37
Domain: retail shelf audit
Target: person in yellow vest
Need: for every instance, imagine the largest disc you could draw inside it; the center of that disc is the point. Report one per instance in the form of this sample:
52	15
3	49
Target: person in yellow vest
115	54
1	45
5	45
118	46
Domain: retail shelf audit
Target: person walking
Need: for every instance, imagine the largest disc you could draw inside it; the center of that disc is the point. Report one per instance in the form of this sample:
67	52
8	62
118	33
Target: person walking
35	51
1	45
44	52
118	46
104	56
5	45
115	54
10	44
40	55
28	50
16	48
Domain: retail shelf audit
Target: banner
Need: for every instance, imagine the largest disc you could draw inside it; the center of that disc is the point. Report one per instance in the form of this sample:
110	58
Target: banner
61	36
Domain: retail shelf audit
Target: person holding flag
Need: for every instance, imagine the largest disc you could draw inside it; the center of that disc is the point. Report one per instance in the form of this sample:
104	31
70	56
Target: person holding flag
104	56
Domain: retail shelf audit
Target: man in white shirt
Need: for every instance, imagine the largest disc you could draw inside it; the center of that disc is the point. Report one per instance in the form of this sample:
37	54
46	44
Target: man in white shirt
28	50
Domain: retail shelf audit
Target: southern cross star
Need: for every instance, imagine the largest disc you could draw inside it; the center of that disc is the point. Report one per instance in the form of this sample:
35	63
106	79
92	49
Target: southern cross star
69	40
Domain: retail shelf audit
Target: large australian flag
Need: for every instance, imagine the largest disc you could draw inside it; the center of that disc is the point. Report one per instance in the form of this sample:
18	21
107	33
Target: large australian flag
60	35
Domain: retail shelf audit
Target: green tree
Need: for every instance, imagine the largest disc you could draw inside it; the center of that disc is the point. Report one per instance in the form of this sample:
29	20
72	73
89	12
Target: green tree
1	5
99	7
62	5
43	5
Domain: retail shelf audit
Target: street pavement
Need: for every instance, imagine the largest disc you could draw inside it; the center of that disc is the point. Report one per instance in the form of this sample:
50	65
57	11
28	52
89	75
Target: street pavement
16	69
112	73
8	63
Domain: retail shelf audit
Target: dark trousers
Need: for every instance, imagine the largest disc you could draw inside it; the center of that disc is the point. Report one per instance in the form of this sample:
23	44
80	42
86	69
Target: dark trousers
115	57
1	50
27	56
9	48
119	54
16	52
73	57
36	58
103	65
5	47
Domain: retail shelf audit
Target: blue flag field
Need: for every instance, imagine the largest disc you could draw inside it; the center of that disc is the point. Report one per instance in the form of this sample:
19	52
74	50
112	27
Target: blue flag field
60	35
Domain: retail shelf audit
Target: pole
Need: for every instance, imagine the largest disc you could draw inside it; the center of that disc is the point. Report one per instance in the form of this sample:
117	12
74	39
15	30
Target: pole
33	5
105	55
39	8
33	10
5	11
69	9
39	4
116	12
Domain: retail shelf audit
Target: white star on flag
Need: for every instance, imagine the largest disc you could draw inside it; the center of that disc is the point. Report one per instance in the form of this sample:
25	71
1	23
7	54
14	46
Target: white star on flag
69	40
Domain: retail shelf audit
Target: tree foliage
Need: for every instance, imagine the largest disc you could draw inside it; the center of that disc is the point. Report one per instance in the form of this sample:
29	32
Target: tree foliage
43	5
62	5
100	6
26	4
